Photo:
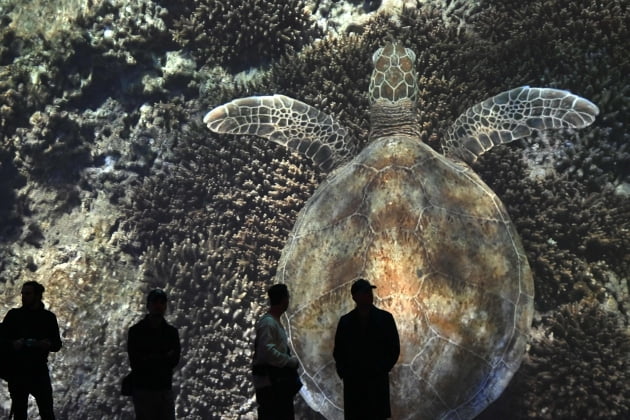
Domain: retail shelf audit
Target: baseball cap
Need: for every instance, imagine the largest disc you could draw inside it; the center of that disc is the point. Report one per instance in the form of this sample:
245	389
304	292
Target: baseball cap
361	285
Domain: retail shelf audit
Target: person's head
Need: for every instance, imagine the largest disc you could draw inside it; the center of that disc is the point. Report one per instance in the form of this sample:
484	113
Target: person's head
279	296
156	302
32	294
362	293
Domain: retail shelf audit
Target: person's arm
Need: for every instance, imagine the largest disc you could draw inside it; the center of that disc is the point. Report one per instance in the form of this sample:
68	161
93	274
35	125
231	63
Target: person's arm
4	340
53	339
174	353
137	360
12	333
10	325
394	342
339	350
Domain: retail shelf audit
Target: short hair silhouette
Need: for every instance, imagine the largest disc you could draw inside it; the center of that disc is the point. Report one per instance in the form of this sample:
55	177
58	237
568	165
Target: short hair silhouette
38	288
156	294
277	292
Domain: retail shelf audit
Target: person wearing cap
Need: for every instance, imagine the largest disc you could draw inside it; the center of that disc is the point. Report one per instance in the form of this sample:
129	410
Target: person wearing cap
154	351
31	333
366	349
274	368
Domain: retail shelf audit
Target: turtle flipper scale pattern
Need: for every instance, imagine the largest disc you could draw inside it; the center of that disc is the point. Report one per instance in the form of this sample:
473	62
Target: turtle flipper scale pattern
288	122
515	114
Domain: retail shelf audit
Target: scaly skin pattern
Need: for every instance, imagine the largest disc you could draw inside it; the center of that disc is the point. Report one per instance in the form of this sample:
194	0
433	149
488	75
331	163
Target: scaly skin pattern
394	76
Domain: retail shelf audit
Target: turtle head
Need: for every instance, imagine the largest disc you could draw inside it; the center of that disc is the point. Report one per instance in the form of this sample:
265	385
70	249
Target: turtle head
394	77
393	91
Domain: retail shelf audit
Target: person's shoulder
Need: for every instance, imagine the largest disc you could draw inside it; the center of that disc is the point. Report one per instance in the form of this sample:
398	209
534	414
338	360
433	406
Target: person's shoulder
347	316
383	313
170	327
266	321
138	325
13	313
48	313
17	310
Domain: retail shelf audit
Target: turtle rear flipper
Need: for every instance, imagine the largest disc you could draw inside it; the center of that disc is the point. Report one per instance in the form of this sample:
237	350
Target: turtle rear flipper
515	114
288	122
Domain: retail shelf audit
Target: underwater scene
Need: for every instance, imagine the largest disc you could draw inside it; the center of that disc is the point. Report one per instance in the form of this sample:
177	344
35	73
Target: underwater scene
122	171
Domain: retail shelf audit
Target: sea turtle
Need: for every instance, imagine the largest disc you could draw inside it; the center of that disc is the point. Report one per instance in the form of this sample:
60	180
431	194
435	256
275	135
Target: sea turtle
421	226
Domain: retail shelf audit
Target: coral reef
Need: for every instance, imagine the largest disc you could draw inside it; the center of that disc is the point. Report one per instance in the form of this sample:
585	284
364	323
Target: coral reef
562	226
241	35
212	228
110	185
577	367
591	62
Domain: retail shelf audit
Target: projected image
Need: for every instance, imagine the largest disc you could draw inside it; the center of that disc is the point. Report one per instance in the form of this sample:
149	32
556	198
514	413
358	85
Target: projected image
450	193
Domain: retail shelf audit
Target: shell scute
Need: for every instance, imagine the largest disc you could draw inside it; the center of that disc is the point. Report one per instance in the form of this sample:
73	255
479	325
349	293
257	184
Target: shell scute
460	191
341	198
385	200
344	258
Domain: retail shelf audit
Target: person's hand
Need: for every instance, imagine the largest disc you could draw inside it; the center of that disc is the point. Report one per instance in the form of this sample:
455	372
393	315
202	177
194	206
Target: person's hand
18	344
293	362
44	344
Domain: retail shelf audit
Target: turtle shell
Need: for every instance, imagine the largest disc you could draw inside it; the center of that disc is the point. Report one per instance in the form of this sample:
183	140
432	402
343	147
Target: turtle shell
447	262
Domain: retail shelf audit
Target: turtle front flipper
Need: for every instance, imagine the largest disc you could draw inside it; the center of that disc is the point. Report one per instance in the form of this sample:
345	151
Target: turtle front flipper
515	114
288	122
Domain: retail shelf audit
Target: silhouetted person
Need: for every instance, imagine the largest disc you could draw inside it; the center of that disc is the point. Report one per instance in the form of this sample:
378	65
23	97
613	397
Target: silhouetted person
33	332
274	368
366	349
154	350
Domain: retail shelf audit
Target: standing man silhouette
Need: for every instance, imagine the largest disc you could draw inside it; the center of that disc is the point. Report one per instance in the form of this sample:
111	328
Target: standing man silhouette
274	368
366	349
32	332
154	350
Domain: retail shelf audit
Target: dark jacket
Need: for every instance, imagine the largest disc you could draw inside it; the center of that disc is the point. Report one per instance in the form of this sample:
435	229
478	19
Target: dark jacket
364	354
153	353
37	324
